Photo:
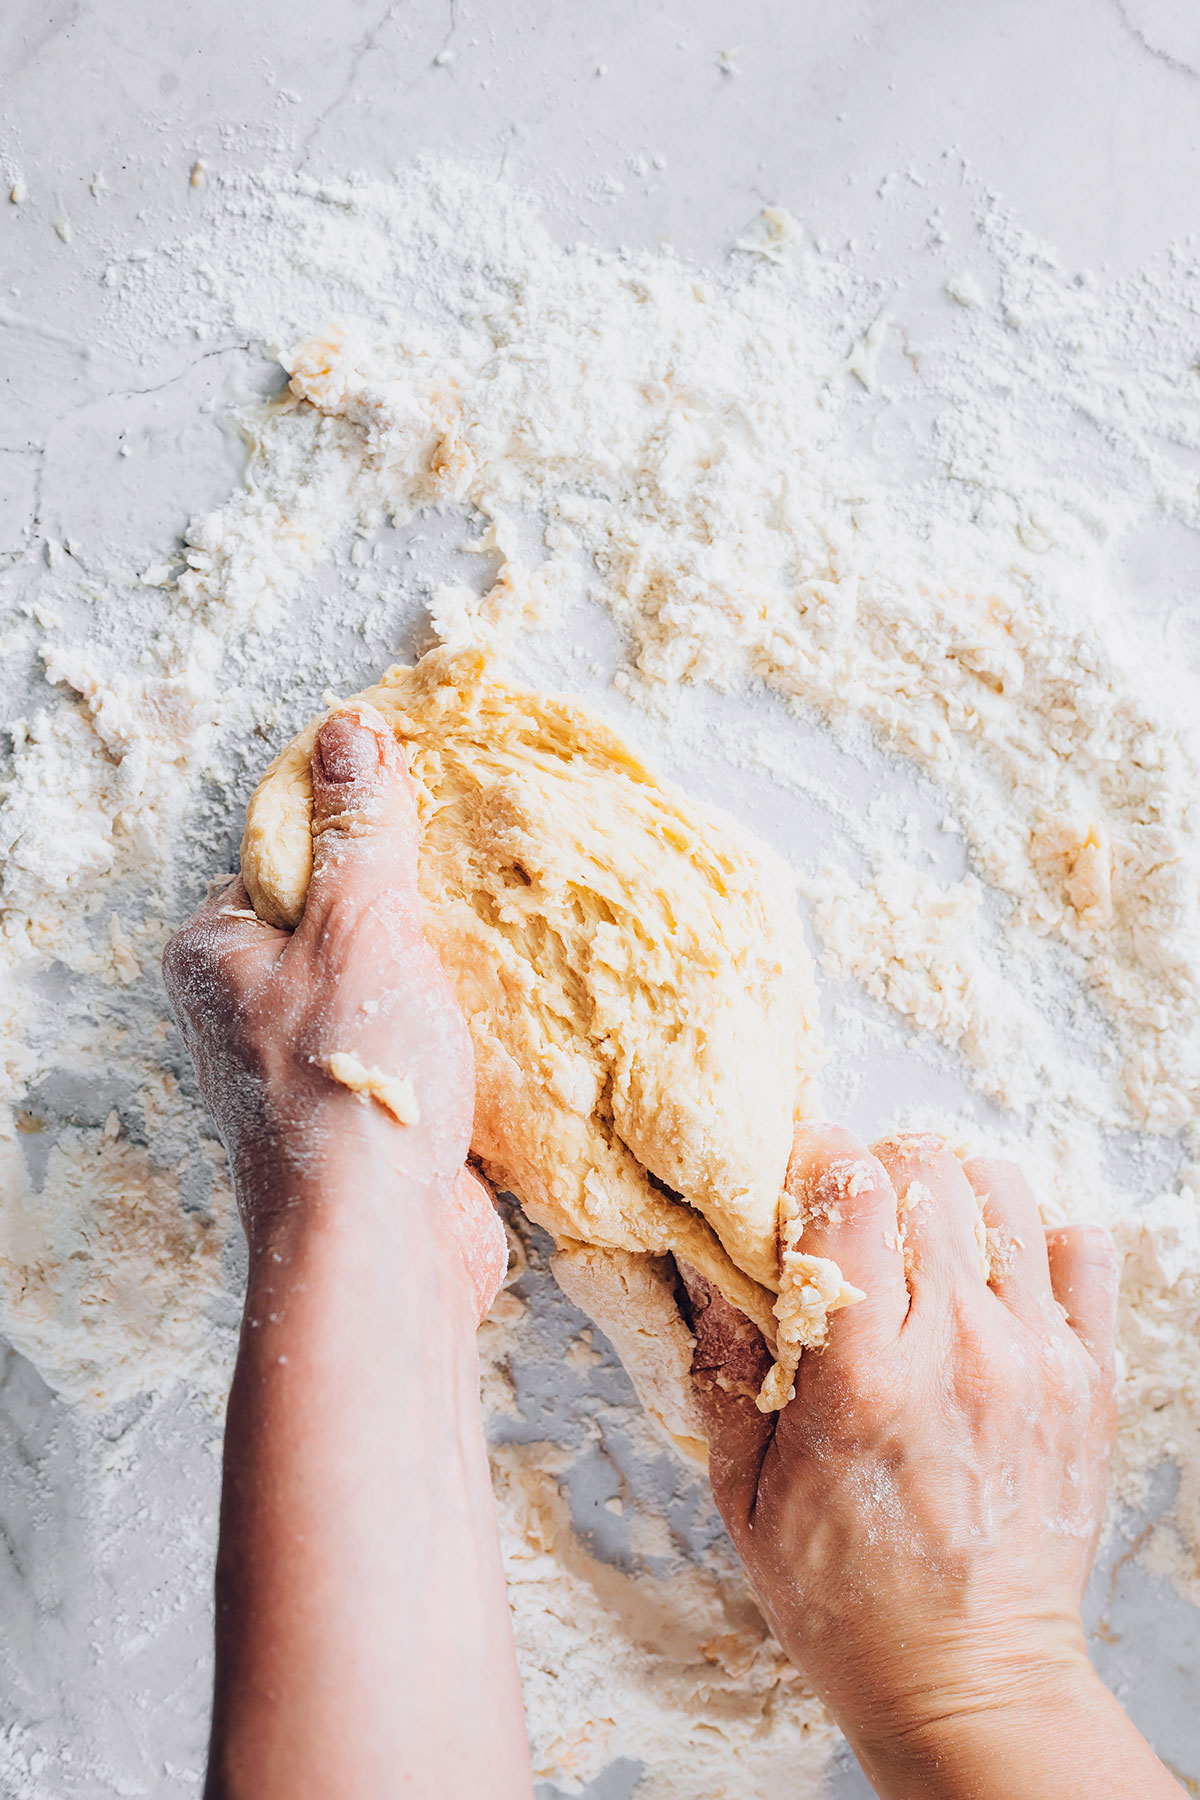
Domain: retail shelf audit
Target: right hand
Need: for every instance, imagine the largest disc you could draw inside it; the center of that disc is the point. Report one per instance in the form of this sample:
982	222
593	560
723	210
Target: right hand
920	1520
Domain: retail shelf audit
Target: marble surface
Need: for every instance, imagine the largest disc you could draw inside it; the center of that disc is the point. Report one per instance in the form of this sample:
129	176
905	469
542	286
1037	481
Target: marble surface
643	122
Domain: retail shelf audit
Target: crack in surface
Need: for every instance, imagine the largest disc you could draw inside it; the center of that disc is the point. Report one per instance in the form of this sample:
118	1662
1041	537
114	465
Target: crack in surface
134	393
38	41
34	532
1137	33
169	380
368	42
451	28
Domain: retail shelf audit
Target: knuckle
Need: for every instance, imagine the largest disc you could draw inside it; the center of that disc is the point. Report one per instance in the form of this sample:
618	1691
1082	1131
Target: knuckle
911	1145
994	1171
1067	1382
179	960
199	972
866	1400
333	832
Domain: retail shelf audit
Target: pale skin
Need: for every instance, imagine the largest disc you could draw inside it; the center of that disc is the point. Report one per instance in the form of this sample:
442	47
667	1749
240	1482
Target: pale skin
363	1638
918	1522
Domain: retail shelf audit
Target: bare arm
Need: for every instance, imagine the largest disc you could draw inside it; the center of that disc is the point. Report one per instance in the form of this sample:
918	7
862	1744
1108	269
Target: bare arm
363	1638
921	1519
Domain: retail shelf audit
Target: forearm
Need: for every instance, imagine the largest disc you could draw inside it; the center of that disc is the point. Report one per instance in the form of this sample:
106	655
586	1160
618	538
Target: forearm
1053	1736
363	1638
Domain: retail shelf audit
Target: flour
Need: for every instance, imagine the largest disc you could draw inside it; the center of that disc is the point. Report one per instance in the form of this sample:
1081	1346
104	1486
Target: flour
919	947
655	1652
595	1642
724	552
113	1274
912	527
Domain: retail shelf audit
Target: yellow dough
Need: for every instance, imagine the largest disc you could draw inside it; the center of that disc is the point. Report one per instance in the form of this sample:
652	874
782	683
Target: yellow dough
393	1092
638	991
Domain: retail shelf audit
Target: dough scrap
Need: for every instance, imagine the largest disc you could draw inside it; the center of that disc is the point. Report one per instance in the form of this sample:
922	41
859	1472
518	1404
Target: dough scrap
632	1299
393	1092
637	987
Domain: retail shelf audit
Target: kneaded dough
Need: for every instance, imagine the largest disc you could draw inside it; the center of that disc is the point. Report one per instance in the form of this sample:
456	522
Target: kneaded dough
639	995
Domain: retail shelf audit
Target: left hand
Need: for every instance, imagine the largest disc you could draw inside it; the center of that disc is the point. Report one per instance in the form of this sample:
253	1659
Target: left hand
261	1011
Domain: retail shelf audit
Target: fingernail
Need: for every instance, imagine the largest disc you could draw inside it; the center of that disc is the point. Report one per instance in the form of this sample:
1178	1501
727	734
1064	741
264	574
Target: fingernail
349	752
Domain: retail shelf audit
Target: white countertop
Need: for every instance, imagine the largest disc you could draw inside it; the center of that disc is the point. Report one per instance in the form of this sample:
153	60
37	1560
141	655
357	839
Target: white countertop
641	123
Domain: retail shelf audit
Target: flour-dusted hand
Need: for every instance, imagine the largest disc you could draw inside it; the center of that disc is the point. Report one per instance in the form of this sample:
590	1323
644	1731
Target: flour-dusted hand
359	1587
920	1520
268	1014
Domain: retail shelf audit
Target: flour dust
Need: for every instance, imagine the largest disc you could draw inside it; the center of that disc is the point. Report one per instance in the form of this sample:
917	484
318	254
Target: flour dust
897	536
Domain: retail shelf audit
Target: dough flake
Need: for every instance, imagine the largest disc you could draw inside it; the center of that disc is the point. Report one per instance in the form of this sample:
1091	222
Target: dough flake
393	1092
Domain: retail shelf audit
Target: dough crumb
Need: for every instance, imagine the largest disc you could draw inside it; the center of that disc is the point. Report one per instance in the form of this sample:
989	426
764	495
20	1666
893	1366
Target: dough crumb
393	1092
811	1288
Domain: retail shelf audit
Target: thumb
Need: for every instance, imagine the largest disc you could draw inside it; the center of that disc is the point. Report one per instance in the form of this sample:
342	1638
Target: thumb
364	820
729	1365
479	1234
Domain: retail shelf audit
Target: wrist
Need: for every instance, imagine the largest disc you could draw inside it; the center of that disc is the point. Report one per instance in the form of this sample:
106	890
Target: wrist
289	1162
320	1177
359	1213
954	1722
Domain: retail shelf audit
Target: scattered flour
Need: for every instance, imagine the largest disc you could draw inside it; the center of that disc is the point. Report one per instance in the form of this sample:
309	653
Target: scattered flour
687	449
106	1277
921	948
728	1715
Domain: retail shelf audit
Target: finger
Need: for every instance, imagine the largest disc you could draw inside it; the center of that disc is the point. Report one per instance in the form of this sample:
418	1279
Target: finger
1019	1269
847	1212
479	1235
224	925
227	920
729	1364
1085	1273
364	823
227	899
945	1240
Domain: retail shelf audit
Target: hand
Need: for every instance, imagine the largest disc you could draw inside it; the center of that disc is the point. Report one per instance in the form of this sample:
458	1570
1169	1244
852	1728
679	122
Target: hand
920	1520
359	1590
261	1010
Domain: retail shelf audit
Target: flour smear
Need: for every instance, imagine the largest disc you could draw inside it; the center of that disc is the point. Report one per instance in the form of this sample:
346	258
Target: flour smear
902	532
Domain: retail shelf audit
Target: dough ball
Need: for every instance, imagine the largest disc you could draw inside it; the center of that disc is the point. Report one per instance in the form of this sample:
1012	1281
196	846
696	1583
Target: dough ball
632	969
